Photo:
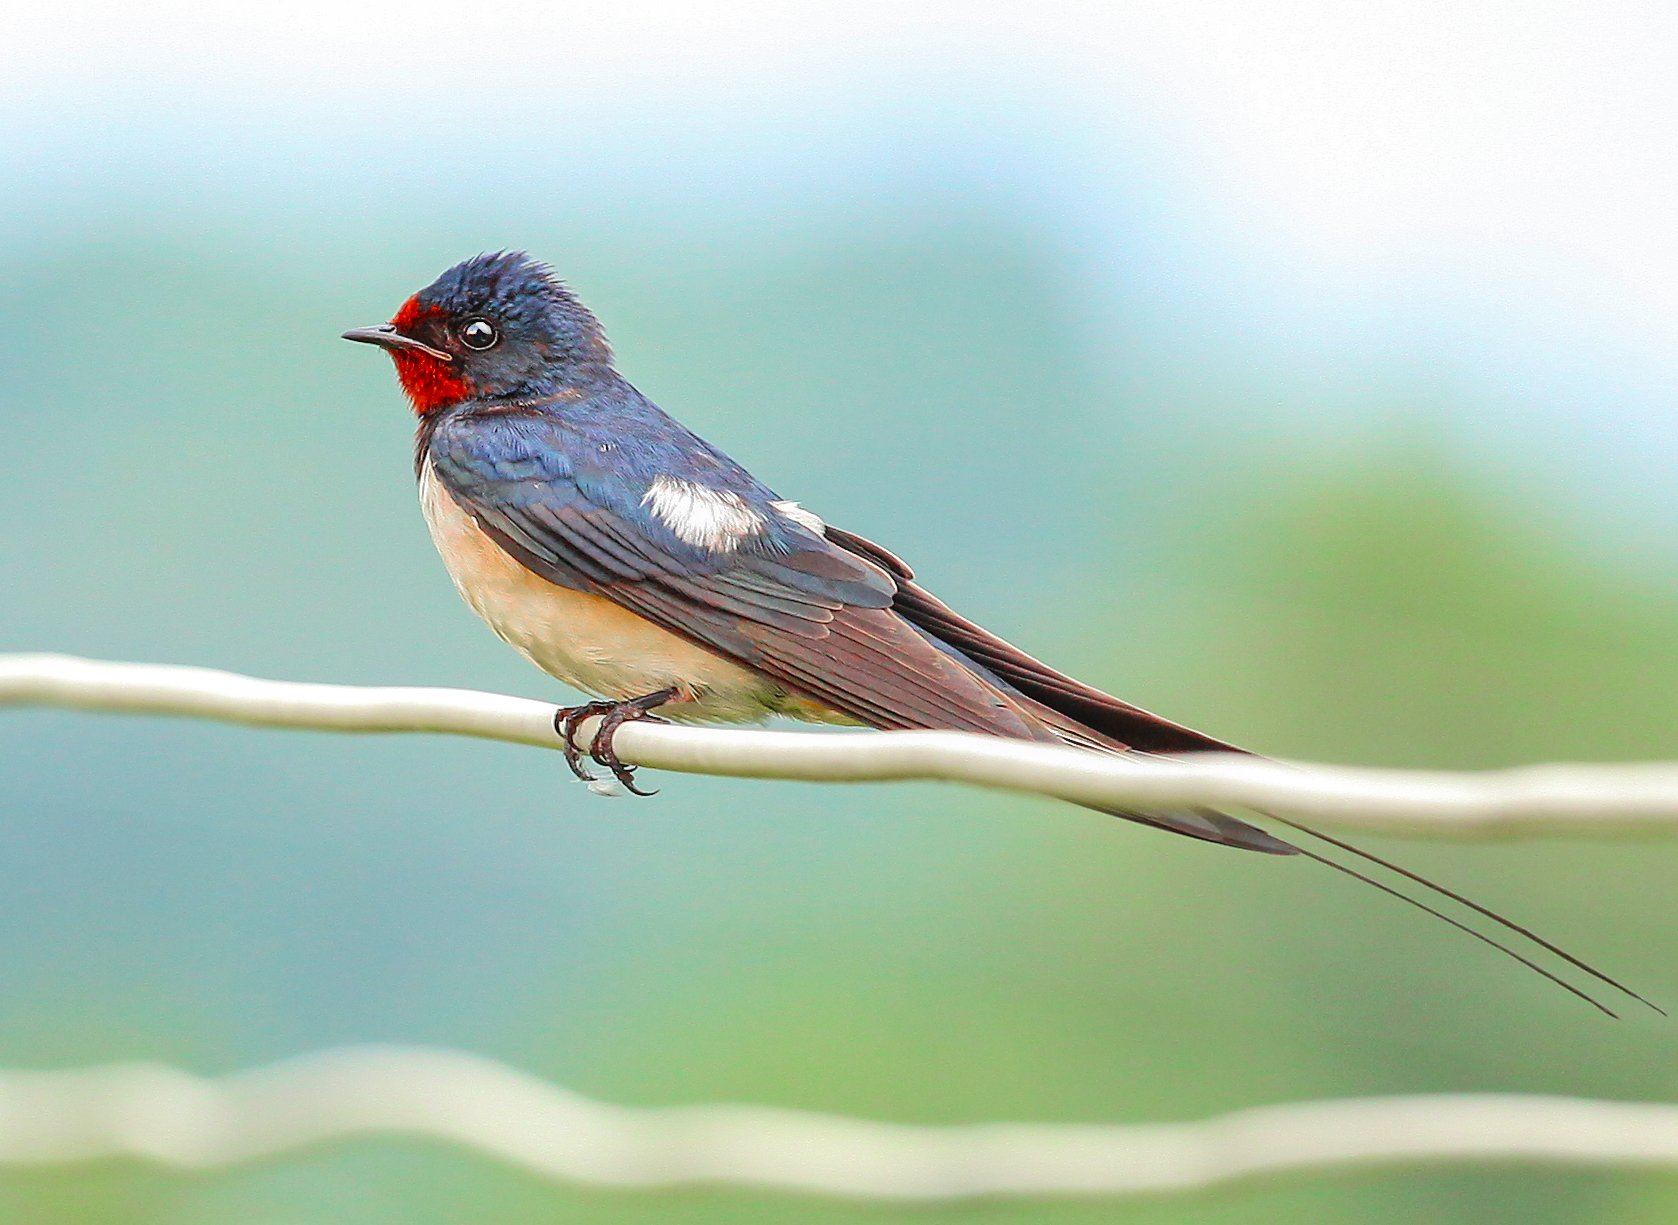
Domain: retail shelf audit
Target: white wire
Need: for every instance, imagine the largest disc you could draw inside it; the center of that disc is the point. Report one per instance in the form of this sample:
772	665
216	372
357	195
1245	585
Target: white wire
171	1117
175	1118
1545	799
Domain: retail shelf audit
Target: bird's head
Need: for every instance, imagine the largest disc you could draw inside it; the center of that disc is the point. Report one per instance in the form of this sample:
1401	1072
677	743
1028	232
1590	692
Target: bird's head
496	327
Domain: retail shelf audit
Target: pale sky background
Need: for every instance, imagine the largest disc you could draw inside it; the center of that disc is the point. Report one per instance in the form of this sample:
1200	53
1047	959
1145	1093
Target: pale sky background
1484	192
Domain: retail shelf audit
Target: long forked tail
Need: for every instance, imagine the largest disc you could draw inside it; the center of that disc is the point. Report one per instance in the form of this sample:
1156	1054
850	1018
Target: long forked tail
1086	717
1502	921
1212	826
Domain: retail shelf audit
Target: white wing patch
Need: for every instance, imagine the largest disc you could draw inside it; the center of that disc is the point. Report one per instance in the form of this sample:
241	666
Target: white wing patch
704	517
806	519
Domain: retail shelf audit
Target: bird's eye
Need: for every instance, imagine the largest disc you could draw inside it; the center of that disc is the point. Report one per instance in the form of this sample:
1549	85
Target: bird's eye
478	334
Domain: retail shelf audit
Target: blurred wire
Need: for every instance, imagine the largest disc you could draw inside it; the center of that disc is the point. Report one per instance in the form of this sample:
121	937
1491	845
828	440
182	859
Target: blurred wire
177	1119
1547	799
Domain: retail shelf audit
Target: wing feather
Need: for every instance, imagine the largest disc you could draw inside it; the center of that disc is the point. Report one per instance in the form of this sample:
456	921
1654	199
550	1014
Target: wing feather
829	616
810	614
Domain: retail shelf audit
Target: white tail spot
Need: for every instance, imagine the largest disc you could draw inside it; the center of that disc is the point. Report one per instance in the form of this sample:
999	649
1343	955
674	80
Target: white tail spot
806	519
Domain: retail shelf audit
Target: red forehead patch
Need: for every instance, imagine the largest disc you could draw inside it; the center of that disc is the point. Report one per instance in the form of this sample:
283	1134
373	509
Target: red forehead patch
429	382
412	312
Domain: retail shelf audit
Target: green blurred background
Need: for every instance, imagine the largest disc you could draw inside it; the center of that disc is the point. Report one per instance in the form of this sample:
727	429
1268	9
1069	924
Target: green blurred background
1390	487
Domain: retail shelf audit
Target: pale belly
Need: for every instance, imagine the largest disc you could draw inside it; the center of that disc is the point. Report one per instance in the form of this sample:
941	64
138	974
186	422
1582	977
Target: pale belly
591	643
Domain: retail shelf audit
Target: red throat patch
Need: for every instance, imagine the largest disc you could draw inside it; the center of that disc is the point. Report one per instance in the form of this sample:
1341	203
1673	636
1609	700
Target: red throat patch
429	382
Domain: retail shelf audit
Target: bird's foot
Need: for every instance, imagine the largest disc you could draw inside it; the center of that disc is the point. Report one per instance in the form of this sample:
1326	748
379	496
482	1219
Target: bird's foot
566	721
613	715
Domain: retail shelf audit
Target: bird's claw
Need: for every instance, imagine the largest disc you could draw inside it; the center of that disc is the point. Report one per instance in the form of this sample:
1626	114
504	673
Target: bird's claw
603	752
566	721
613	715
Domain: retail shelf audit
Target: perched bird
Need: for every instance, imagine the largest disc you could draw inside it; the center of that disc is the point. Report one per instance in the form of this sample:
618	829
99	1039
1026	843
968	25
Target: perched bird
631	559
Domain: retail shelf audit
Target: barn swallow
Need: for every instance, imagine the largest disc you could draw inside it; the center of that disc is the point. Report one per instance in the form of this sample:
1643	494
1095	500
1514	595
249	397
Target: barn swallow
629	558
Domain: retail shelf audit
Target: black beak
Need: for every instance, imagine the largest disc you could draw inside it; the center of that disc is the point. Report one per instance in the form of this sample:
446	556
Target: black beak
387	337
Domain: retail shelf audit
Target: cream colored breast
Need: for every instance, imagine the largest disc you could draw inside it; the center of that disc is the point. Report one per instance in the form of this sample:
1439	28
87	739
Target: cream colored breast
585	640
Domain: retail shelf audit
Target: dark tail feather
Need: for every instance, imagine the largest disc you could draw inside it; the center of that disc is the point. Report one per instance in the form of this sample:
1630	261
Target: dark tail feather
1209	826
1212	826
1463	927
1087	718
1501	920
